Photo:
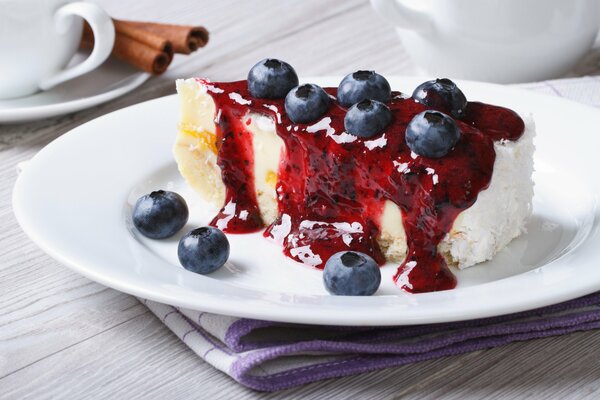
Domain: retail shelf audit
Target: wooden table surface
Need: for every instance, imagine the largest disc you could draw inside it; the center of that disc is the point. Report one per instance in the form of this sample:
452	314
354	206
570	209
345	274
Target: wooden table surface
64	336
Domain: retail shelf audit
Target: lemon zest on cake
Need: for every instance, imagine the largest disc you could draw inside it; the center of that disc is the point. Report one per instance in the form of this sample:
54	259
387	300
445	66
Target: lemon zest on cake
205	139
271	178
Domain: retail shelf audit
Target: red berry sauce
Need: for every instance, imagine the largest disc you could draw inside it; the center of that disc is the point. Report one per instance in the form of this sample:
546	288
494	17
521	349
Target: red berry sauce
332	186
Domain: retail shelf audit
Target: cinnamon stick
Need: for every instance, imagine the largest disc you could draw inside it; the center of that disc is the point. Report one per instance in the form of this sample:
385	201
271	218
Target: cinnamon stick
138	33
185	38
150	46
139	54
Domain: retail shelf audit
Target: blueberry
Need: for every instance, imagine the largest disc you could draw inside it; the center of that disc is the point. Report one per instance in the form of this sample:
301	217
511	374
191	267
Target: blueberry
350	273
306	103
442	95
160	214
362	85
367	118
203	250
432	134
271	79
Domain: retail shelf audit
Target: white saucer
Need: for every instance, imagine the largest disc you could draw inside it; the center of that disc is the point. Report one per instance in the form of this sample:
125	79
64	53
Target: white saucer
74	199
113	79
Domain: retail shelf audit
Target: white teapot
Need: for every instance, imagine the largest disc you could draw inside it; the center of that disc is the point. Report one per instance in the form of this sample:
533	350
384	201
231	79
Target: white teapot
503	41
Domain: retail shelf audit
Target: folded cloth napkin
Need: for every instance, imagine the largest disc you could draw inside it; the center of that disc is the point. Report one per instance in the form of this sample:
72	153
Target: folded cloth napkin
271	356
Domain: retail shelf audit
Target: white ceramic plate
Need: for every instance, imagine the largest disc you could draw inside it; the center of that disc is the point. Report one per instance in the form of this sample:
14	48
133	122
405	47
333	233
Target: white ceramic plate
74	200
111	80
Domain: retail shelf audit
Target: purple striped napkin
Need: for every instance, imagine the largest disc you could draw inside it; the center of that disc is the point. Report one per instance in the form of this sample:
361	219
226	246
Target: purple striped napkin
271	356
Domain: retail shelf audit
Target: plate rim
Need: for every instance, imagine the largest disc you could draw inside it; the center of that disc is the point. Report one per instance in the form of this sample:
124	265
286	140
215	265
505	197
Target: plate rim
256	312
34	113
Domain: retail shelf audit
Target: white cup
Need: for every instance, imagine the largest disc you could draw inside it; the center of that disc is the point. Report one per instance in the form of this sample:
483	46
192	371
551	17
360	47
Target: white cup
38	38
503	41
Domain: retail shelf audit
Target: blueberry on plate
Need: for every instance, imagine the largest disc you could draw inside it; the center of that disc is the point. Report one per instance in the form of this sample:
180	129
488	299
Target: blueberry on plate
350	273
443	95
363	85
306	103
203	250
160	214
271	79
367	118
432	134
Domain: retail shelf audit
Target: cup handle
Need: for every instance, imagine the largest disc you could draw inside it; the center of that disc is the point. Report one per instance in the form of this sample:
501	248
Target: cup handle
402	16
104	39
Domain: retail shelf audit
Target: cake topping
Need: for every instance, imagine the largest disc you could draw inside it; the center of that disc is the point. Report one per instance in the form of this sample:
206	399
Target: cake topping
431	134
324	177
275	110
442	95
375	143
306	103
271	79
239	99
367	118
363	85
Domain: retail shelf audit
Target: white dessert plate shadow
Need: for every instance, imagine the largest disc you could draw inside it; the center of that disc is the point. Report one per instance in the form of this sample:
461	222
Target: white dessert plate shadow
74	199
111	80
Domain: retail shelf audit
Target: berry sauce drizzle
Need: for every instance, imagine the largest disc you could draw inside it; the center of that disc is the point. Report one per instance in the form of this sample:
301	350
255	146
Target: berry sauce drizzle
332	187
240	214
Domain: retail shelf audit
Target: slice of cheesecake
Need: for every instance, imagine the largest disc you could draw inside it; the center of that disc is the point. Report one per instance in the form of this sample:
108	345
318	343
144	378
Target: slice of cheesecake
320	190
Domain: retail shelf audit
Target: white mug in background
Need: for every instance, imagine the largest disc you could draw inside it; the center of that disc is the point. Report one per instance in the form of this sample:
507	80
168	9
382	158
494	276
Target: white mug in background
38	38
505	41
